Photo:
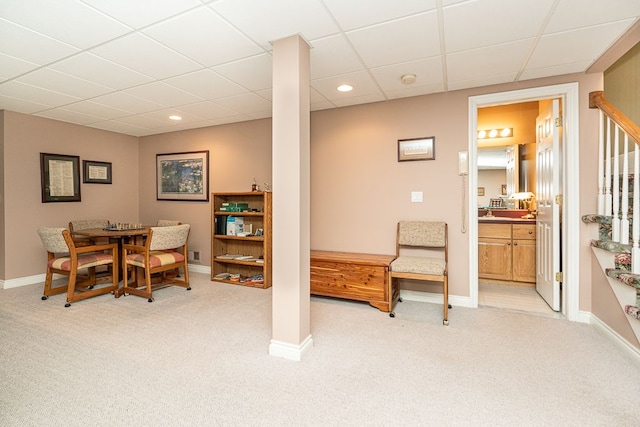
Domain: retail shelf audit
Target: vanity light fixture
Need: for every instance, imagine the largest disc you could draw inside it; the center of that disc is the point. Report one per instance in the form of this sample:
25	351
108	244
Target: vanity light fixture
175	117
495	133
345	88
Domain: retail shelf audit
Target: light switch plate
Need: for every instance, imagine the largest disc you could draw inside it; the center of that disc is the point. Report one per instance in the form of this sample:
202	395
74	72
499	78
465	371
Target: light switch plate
416	196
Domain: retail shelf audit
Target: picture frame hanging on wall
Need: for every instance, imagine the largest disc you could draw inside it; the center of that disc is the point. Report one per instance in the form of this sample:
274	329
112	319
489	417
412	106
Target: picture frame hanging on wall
183	176
417	149
60	178
96	172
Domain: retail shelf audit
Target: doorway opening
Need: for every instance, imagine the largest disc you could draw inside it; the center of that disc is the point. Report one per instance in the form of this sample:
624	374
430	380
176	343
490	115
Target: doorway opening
568	94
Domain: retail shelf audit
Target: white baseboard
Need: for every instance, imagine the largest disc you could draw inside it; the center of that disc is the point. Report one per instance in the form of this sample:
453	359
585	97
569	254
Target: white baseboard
290	351
617	338
39	278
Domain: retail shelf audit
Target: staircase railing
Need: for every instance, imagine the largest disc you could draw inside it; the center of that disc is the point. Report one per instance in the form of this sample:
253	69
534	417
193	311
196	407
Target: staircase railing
615	202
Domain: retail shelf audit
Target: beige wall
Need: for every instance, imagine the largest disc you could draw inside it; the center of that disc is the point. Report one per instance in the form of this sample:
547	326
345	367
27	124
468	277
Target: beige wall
622	84
237	153
24	138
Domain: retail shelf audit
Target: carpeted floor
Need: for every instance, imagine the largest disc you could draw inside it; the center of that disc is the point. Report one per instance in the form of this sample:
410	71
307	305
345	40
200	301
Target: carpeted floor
200	358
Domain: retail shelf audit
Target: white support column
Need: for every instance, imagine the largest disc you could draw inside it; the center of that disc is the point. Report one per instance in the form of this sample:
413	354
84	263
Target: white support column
291	328
615	222
624	211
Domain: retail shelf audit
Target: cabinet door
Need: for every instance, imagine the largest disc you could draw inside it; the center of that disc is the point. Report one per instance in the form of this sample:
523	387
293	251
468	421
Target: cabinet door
494	259
524	260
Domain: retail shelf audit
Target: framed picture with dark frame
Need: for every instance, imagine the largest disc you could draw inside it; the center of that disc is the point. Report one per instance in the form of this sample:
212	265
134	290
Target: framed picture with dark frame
60	178
183	176
417	149
96	172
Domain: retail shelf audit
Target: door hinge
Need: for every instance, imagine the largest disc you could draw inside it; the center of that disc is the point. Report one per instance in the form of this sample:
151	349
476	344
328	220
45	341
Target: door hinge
559	199
559	276
558	121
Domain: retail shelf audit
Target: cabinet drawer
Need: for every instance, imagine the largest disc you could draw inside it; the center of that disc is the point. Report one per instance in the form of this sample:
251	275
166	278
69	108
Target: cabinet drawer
524	231
495	231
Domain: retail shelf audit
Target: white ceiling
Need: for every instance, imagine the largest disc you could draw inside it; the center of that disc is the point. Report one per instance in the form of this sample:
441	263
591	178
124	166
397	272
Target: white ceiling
126	65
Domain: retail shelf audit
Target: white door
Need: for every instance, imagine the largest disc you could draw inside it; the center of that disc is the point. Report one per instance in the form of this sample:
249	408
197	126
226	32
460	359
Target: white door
548	186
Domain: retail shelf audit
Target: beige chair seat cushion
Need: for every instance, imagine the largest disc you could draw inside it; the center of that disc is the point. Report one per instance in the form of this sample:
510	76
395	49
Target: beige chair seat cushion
84	261
419	265
156	258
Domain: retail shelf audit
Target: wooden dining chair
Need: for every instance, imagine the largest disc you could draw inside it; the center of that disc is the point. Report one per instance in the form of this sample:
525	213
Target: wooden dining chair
165	249
85	224
422	253
64	257
167	222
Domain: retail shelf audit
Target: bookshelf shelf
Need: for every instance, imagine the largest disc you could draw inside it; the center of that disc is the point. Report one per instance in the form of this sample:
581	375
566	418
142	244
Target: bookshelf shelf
256	215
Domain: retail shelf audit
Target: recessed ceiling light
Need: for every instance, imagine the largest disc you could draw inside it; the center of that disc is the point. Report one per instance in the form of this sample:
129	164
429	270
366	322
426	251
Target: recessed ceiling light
174	117
345	88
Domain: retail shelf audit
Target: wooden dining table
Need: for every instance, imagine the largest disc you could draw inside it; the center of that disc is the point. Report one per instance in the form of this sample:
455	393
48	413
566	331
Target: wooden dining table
122	235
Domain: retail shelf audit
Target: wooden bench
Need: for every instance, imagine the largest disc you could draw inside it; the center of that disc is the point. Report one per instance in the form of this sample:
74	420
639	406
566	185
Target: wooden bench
354	276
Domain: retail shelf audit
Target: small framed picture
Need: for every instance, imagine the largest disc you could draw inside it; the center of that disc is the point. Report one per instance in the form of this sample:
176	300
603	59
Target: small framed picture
417	149
96	172
504	189
259	232
480	191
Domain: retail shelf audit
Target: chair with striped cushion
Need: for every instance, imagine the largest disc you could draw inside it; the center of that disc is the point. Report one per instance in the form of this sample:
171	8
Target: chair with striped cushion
63	257
85	224
422	253
165	249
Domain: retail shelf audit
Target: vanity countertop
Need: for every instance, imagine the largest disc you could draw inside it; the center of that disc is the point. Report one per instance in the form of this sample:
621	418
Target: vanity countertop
505	220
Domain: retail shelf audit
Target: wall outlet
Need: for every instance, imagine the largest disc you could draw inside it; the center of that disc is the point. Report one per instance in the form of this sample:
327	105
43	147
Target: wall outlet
416	196
193	256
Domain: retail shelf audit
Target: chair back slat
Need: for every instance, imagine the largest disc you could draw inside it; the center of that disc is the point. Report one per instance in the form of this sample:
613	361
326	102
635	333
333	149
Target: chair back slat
422	233
85	224
53	240
167	222
170	237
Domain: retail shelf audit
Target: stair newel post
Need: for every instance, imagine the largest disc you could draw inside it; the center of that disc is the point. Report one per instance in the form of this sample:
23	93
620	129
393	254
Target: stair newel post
601	181
635	250
615	221
607	169
624	211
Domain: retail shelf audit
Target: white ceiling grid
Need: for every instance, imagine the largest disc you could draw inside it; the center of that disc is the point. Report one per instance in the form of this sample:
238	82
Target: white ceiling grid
125	65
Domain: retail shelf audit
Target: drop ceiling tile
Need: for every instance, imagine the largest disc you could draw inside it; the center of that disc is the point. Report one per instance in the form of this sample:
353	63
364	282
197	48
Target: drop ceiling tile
35	94
482	82
140	13
253	73
357	100
11	67
558	70
163	116
324	105
96	109
592	12
119	127
484	62
428	72
278	19
27	45
69	21
100	71
417	91
163	94
266	94
144	55
576	46
20	105
333	55
127	102
360	13
206	84
246	103
470	25
69	116
60	82
398	41
363	85
197	34
207	110
142	121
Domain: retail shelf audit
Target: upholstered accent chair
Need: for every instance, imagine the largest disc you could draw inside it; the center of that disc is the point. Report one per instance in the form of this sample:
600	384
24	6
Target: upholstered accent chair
422	253
167	222
164	249
64	257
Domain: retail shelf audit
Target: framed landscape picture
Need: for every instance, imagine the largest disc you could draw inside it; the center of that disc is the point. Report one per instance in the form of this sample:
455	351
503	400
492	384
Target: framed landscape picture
60	178
183	176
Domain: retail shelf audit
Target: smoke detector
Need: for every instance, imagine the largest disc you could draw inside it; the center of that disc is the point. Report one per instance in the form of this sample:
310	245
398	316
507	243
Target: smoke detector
408	79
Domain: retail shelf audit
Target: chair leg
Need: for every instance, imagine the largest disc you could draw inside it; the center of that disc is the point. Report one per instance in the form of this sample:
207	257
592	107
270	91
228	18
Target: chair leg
445	289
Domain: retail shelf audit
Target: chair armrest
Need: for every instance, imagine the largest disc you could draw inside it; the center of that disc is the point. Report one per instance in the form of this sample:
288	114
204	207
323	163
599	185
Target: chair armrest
97	248
133	248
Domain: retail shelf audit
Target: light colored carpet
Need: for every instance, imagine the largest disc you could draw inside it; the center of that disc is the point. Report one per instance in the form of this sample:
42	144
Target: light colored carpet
200	357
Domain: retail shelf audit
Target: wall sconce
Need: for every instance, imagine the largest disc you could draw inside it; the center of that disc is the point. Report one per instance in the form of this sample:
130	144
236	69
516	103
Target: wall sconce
495	133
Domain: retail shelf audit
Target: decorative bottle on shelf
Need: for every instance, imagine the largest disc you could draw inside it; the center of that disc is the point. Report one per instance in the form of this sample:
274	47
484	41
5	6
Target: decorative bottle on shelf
254	186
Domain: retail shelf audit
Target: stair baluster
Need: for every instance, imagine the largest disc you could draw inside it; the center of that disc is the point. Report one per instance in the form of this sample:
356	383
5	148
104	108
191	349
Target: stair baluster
635	249
601	180
607	169
615	221
624	210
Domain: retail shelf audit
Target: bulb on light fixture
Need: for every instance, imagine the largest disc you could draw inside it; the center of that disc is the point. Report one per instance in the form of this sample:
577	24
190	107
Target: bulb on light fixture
493	133
345	88
505	132
482	134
